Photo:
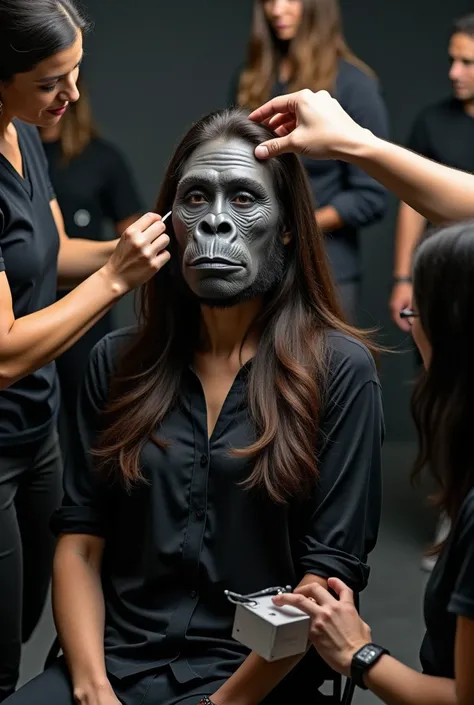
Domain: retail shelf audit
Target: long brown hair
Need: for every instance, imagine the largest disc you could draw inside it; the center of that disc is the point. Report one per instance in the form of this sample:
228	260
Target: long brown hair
313	55
443	401
77	126
287	377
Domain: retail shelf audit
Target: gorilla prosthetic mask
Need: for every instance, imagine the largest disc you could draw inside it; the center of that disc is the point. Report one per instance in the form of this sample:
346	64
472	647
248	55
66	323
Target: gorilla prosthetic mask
227	223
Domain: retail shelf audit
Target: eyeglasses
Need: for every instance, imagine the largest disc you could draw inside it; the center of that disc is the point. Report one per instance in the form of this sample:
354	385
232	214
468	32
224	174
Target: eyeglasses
408	314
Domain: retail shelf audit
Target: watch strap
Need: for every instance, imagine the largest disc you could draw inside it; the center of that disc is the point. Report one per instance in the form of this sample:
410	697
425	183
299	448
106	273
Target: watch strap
206	701
402	280
363	660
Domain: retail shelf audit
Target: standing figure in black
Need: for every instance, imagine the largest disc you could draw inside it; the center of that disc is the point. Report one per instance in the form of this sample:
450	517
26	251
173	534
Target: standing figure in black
41	48
297	44
95	188
231	441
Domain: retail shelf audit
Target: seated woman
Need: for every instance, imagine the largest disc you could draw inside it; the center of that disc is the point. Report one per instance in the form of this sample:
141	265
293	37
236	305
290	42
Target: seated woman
231	441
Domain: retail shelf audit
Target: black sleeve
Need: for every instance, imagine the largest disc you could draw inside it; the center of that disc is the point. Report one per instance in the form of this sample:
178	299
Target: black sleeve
462	599
119	194
83	506
362	201
418	140
343	516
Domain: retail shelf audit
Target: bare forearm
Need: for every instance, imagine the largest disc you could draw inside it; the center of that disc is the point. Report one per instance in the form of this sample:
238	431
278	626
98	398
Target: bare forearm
410	225
256	678
32	341
396	684
438	192
78	605
78	259
252	682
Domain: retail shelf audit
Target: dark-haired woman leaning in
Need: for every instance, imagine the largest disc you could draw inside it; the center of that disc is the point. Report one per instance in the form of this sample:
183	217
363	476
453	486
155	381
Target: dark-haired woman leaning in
94	187
443	409
40	53
300	44
236	441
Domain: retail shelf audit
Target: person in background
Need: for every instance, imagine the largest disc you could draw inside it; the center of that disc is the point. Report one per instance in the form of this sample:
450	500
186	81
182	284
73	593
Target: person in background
93	185
300	44
443	408
444	132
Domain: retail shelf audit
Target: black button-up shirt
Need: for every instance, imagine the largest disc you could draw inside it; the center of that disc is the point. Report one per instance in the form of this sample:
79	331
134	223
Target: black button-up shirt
175	543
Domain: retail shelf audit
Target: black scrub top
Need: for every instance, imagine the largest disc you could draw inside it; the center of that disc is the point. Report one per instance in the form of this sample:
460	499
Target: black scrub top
175	543
93	187
444	132
29	247
449	595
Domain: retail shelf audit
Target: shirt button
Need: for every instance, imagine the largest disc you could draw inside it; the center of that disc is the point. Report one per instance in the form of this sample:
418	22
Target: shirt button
200	513
203	461
193	594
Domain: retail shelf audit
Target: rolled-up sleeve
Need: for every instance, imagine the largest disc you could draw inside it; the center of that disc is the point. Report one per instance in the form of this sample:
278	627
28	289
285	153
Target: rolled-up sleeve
83	509
363	200
342	518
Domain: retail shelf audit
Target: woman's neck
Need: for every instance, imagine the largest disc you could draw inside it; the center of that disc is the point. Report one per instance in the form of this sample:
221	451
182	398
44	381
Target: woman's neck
7	129
50	134
224	329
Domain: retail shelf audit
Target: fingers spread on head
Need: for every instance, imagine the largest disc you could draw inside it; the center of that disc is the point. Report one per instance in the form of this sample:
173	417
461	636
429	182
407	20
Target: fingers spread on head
285	129
281	104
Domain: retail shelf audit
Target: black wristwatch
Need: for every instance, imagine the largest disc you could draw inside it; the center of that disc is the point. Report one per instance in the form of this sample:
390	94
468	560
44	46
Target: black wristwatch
364	659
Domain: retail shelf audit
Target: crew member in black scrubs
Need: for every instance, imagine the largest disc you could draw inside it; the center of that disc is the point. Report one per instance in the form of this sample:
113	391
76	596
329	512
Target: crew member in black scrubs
40	53
296	45
94	186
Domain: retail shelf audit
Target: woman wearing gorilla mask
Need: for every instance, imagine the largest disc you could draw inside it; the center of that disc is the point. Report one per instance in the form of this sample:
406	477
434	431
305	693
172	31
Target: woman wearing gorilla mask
236	438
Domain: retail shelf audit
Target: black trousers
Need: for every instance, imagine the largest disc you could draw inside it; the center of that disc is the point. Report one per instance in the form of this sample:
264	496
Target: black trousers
71	367
53	687
30	490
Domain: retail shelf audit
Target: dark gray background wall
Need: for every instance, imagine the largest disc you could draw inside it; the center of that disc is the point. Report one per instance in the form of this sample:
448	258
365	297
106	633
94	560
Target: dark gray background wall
155	67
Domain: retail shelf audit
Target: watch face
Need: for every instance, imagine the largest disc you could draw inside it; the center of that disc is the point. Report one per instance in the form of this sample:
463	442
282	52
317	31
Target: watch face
367	654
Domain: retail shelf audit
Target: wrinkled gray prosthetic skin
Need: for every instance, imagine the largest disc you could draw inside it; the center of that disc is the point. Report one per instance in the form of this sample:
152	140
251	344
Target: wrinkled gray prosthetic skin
228	224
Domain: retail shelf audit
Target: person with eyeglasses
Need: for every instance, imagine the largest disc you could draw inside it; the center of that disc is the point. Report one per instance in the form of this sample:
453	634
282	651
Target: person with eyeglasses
443	408
408	315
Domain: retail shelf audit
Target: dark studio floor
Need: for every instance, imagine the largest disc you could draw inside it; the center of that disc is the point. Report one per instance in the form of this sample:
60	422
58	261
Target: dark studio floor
392	604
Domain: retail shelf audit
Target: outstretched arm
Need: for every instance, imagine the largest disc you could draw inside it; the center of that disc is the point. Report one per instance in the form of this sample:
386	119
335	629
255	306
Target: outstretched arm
316	125
338	632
